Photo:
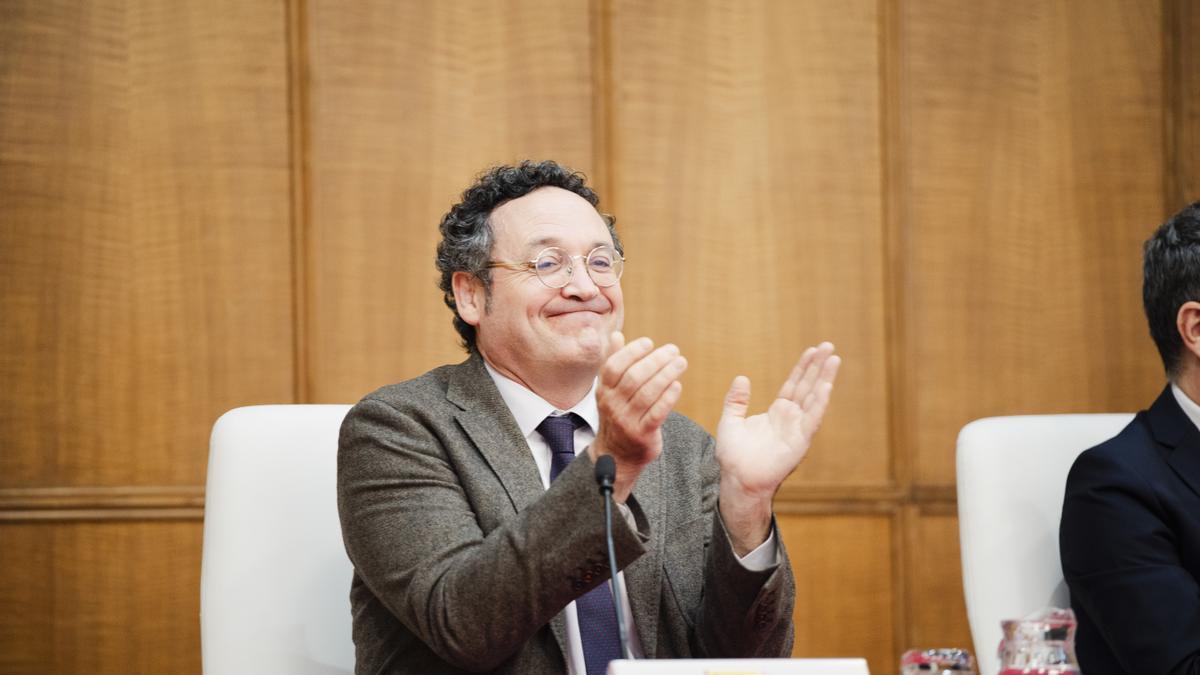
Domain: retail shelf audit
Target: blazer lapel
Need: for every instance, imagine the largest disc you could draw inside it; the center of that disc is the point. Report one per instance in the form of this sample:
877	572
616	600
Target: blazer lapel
1172	427
488	422
494	432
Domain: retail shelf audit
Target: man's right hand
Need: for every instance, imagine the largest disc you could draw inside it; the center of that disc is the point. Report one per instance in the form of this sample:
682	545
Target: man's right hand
639	386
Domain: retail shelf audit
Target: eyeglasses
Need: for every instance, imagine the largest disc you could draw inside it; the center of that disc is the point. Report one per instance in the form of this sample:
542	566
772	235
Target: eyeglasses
554	266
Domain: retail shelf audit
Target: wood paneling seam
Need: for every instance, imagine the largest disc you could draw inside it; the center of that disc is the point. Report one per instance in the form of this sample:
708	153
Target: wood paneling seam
901	457
300	183
101	515
1172	108
791	499
117	497
603	107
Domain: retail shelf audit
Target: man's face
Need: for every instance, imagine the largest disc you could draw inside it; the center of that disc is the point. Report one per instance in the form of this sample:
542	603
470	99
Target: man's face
532	331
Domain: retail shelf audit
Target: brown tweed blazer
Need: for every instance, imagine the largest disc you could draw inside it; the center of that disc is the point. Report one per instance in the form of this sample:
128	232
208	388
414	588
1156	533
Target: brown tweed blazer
464	563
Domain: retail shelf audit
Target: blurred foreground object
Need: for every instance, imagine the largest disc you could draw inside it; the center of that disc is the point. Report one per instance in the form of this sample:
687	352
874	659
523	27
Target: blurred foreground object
937	662
1042	643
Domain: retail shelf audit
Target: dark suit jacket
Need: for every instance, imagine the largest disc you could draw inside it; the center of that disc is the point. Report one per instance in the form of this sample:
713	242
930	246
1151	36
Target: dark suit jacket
1130	543
463	562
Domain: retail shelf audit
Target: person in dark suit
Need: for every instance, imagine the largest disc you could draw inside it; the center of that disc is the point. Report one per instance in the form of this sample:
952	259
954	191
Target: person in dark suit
467	498
1130	530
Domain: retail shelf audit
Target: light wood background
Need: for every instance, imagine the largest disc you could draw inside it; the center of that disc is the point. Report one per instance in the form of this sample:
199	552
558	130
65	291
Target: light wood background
209	205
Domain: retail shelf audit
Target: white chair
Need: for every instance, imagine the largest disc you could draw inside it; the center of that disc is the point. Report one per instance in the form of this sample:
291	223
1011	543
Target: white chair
1012	472
275	579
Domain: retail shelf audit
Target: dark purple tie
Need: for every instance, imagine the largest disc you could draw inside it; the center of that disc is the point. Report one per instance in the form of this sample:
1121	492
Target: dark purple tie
597	618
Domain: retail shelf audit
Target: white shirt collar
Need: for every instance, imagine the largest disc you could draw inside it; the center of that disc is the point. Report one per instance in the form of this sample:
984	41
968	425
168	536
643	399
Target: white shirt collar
529	409
1189	406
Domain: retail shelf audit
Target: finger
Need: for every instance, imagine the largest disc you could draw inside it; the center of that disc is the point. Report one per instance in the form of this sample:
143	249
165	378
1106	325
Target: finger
615	365
815	412
829	371
657	414
650	392
616	340
737	399
828	374
640	372
822	355
788	390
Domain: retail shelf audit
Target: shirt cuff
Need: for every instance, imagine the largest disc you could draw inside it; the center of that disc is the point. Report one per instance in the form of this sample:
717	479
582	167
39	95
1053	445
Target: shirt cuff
762	558
627	514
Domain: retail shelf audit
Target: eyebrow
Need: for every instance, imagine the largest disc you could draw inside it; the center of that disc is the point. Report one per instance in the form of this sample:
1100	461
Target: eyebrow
536	245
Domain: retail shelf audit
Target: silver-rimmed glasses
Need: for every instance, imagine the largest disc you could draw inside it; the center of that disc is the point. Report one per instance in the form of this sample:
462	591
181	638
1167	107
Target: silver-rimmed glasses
554	266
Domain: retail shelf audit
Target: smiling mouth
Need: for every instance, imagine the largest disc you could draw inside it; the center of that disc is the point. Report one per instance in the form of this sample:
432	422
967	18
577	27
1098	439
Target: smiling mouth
575	313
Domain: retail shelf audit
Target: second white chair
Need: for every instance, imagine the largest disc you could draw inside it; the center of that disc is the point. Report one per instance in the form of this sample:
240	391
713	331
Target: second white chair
1012	473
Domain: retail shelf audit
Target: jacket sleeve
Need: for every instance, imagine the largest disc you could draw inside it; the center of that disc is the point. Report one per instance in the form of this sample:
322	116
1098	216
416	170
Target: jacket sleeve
743	613
746	613
412	532
1121	562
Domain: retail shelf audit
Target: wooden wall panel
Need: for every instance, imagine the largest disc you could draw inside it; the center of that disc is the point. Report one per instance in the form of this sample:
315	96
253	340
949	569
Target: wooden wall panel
936	611
954	194
144	243
100	597
745	159
409	102
844	587
1033	167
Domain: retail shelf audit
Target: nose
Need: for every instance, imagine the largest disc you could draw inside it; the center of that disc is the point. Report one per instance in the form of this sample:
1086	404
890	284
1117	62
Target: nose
580	284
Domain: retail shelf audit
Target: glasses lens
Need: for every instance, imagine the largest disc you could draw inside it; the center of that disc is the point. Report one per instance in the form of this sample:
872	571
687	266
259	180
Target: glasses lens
551	267
604	265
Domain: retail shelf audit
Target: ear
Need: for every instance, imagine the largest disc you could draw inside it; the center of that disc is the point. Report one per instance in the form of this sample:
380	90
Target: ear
469	296
1187	321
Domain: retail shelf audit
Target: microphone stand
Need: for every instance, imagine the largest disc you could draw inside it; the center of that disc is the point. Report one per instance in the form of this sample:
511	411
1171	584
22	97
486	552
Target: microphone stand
606	473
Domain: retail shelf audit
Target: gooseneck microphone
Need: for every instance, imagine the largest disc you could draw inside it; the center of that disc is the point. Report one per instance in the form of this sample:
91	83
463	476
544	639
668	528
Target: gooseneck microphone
606	473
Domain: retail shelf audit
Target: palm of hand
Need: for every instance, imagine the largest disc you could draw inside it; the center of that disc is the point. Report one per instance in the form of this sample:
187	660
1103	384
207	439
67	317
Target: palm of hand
760	451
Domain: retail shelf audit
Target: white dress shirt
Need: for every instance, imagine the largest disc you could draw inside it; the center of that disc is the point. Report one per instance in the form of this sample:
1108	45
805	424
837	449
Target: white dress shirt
1190	408
529	409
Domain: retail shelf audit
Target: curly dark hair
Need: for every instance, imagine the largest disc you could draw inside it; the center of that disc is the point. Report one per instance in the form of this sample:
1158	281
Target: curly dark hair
1171	277
466	244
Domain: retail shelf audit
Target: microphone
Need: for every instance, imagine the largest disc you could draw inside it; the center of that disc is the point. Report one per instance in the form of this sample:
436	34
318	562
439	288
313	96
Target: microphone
606	473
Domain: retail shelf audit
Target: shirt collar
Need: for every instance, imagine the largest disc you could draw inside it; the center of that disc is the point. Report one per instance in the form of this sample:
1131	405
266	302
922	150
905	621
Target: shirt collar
1189	406
529	409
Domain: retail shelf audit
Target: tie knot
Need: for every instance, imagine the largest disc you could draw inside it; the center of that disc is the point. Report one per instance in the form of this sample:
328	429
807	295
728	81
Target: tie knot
559	432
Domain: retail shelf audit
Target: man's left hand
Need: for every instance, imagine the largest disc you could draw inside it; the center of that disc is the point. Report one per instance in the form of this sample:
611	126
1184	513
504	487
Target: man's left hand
758	453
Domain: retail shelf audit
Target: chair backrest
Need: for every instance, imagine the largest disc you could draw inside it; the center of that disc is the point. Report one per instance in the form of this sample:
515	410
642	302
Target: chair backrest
275	579
1012	472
